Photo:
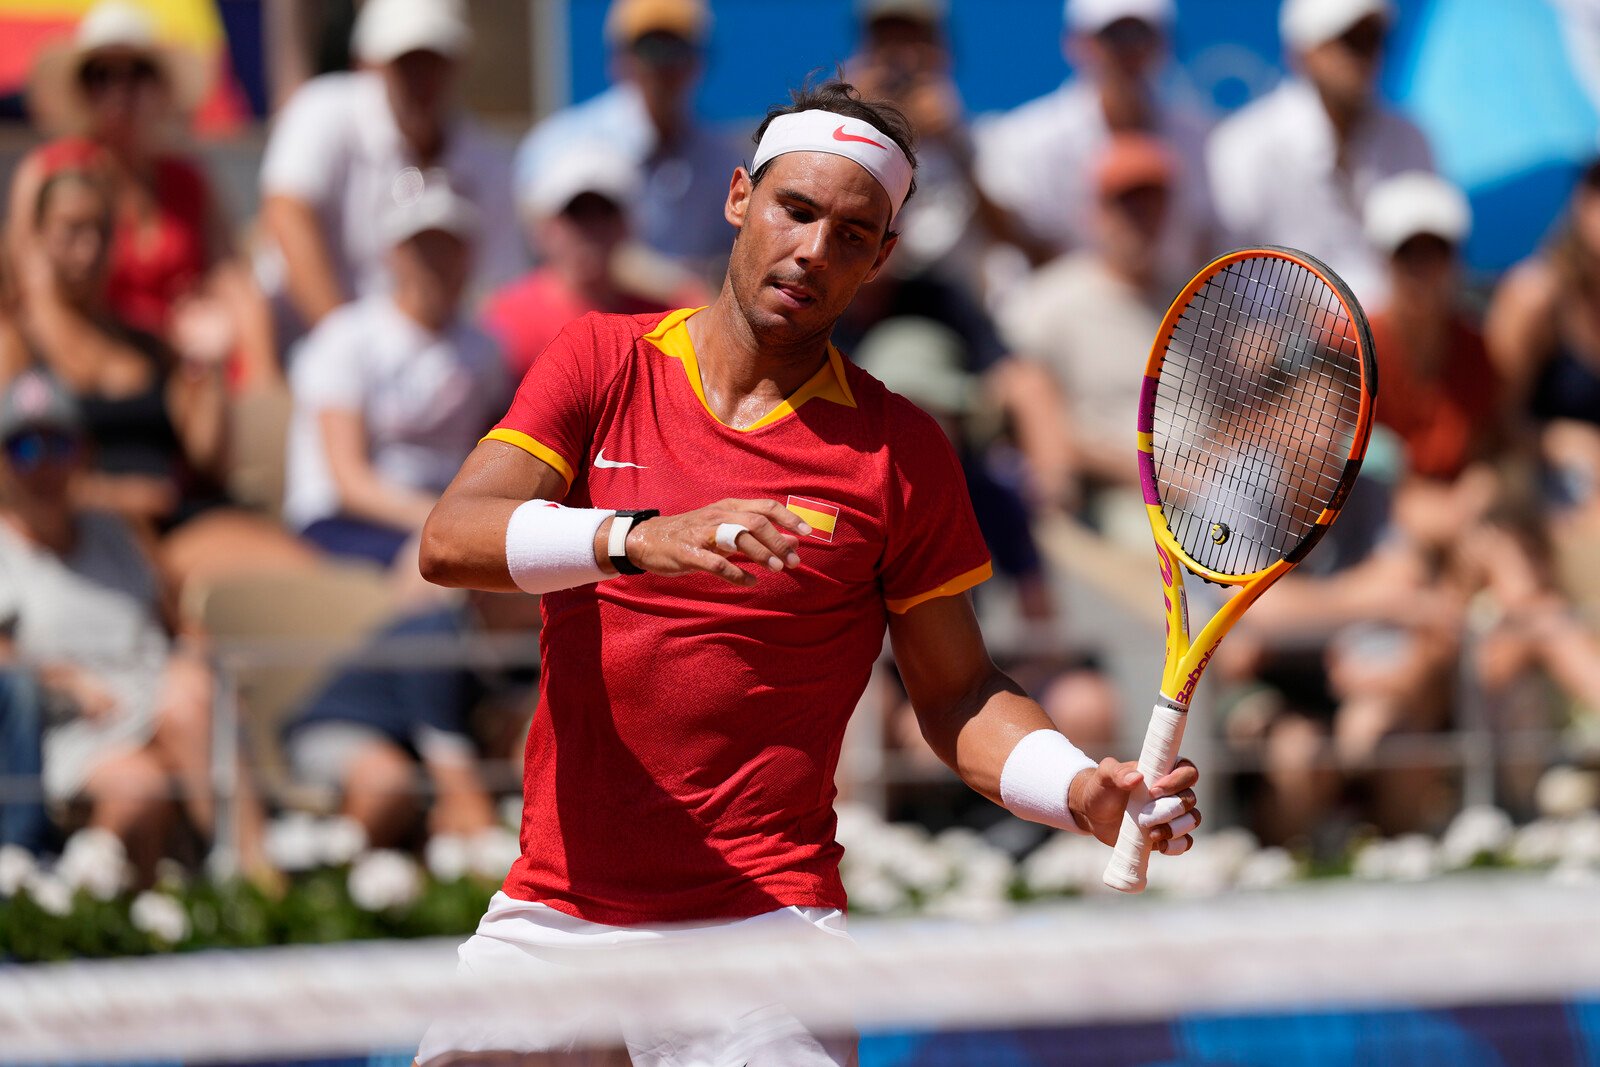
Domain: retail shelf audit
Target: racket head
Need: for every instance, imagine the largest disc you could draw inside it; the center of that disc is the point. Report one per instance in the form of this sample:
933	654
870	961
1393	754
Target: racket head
1255	413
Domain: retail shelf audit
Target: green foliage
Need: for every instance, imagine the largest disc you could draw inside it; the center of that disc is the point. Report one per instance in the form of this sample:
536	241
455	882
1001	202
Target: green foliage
314	907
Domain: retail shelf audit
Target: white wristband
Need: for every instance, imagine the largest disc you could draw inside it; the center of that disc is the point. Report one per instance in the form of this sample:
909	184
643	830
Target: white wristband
549	547
1037	776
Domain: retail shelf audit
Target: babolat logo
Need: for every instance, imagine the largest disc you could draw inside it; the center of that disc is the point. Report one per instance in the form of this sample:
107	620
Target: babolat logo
1187	692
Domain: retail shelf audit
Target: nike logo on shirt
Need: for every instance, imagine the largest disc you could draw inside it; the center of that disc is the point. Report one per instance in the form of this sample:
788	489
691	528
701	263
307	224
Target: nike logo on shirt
840	135
600	460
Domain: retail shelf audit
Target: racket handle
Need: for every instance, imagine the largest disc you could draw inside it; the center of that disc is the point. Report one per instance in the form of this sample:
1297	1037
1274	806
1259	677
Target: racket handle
1126	871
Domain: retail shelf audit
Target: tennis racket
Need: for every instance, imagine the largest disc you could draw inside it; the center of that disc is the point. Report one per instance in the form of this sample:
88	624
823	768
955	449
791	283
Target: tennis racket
1254	415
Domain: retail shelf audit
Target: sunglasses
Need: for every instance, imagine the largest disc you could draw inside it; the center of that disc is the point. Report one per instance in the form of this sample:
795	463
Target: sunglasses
100	74
1364	39
32	449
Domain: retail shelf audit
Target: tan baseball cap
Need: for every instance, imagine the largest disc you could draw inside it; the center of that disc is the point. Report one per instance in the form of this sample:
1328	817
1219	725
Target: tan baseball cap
629	20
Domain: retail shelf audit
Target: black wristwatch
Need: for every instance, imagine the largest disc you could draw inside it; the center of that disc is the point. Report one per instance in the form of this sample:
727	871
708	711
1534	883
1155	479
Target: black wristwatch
617	540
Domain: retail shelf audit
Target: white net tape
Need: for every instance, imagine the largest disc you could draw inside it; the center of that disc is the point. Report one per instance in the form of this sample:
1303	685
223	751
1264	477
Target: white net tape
1465	940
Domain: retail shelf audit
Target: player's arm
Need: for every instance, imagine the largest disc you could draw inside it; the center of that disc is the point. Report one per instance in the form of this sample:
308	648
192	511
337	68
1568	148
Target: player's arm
975	718
481	536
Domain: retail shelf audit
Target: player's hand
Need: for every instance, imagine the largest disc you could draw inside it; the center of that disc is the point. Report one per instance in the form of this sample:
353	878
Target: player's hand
1098	798
687	543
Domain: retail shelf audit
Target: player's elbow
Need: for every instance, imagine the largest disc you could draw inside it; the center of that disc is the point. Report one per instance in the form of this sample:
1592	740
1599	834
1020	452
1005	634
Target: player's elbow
440	557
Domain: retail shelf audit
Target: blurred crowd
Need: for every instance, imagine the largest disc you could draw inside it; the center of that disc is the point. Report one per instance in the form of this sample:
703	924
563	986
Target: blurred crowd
203	413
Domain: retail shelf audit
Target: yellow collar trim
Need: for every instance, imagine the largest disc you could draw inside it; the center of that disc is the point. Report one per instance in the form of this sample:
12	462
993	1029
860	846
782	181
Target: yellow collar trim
671	336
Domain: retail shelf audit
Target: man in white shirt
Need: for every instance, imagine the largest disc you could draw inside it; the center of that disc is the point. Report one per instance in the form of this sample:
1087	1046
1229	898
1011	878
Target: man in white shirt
648	116
1038	160
1295	167
347	144
392	391
1089	319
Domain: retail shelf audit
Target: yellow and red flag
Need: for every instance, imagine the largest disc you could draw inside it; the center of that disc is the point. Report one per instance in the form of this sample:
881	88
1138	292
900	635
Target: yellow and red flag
820	515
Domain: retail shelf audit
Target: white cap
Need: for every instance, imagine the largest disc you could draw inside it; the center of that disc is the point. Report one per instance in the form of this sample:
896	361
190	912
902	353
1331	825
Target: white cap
424	202
1092	16
592	167
1308	23
388	29
1415	203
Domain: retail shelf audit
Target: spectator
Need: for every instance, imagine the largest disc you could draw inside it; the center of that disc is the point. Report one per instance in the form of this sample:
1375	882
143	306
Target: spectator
1439	393
392	391
577	209
348	141
904	57
157	419
923	360
1541	324
648	115
1295	167
367	732
1039	160
1089	318
111	100
128	720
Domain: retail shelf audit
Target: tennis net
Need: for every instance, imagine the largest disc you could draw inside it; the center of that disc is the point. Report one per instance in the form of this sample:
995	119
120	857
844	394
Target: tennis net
1472	956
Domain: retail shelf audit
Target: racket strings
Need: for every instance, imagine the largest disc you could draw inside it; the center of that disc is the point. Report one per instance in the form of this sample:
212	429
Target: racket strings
1257	405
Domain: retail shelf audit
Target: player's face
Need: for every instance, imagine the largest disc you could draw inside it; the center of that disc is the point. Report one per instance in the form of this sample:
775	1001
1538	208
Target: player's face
810	234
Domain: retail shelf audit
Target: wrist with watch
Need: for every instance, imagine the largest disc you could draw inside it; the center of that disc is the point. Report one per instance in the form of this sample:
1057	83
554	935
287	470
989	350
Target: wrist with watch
623	523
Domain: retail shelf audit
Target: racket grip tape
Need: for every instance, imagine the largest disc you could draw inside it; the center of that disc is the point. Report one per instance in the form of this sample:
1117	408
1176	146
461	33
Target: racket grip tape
1126	871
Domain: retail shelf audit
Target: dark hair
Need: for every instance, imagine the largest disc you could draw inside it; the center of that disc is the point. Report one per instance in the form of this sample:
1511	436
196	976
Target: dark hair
842	98
68	176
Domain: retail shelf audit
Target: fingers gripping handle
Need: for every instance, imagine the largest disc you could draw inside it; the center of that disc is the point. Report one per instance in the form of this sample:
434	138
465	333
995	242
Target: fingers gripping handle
1126	871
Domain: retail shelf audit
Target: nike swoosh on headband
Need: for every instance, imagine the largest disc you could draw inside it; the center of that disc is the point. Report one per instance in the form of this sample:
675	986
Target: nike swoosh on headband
840	135
600	460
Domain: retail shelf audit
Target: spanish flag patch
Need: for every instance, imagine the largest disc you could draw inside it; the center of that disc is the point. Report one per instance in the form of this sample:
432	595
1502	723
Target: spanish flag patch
820	515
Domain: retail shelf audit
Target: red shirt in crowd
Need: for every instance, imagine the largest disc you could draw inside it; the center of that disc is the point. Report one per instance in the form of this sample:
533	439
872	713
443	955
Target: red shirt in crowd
156	261
527	314
680	766
1445	420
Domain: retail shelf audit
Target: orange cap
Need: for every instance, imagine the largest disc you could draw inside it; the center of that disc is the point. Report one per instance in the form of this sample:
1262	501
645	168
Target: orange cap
629	20
1132	161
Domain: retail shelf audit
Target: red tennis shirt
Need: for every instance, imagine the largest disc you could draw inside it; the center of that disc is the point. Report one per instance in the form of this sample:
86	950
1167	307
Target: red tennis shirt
680	765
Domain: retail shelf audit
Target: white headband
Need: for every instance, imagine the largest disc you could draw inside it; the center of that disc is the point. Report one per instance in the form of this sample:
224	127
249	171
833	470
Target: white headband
839	135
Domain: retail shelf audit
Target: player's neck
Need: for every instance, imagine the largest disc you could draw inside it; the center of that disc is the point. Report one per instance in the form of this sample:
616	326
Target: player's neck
742	375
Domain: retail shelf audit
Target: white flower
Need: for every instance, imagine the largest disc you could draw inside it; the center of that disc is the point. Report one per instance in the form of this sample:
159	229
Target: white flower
384	879
339	841
870	891
1567	791
291	842
1476	831
1267	869
1540	843
447	856
1413	857
49	892
1065	863
16	864
491	852
95	860
1582	844
160	916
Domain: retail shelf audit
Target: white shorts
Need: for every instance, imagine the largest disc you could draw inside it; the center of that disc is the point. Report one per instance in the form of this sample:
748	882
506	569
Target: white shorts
537	939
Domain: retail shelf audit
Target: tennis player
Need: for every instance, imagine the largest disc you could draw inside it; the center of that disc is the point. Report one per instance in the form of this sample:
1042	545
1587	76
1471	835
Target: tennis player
723	514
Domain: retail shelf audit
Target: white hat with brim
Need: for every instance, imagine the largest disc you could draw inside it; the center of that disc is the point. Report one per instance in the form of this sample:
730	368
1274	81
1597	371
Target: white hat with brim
1412	205
1308	23
427	204
591	167
388	29
1092	16
115	27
